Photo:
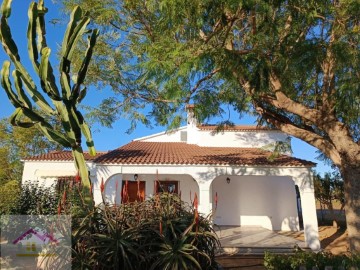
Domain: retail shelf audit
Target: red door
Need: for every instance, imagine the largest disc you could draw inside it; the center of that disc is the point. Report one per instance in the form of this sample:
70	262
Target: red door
133	191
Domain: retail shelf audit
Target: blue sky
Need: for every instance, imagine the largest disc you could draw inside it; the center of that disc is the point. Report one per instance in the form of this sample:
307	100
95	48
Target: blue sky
105	138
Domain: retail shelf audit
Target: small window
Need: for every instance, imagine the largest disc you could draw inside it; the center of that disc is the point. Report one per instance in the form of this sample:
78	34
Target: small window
183	136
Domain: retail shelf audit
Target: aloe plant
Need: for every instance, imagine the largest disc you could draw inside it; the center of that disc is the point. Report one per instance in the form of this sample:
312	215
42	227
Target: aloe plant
52	102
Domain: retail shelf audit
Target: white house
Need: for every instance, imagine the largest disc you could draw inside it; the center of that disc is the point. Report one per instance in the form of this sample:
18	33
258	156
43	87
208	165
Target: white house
229	171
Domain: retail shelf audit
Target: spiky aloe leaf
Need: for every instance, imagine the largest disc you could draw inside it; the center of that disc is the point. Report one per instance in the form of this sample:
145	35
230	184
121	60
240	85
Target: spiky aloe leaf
20	91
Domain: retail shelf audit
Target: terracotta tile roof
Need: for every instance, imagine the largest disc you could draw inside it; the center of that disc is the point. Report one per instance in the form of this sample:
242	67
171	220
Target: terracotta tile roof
236	128
138	152
62	156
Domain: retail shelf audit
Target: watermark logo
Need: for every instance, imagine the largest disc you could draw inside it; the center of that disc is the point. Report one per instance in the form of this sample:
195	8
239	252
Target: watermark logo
42	242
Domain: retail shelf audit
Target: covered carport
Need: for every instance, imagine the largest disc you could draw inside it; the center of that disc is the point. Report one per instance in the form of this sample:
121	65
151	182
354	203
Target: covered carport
265	201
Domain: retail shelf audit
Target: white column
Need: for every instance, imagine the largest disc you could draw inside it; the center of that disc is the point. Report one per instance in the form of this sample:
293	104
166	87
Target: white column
311	229
205	195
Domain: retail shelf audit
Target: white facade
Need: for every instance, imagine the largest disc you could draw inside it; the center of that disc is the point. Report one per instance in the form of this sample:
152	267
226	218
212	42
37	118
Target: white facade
256	195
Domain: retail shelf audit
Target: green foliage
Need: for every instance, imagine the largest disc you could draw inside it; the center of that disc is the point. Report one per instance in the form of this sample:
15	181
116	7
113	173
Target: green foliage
309	260
35	199
9	193
65	99
173	52
159	233
17	143
296	64
329	188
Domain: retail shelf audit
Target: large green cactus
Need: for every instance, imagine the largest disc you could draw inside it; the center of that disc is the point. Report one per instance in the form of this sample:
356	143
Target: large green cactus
31	102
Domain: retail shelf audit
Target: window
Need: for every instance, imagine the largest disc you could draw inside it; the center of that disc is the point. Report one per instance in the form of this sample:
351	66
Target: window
65	182
168	186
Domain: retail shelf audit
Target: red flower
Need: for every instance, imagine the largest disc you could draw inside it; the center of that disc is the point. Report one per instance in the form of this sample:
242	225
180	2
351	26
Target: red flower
63	200
77	177
196	216
160	227
196	202
102	186
59	208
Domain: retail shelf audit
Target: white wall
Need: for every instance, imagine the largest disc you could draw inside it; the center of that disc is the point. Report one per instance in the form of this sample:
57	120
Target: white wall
269	202
170	136
219	139
46	172
239	138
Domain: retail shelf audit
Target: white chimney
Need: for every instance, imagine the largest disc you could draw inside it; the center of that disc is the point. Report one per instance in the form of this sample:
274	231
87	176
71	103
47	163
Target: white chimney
192	130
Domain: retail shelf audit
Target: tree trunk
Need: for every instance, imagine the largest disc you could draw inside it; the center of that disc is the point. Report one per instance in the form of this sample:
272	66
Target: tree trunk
333	216
351	177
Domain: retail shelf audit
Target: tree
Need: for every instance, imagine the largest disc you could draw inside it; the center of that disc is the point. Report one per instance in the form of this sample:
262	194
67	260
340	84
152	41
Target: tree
17	143
32	108
294	63
329	189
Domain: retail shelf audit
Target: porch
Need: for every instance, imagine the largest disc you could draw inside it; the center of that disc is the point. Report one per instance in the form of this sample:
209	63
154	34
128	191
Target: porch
252	240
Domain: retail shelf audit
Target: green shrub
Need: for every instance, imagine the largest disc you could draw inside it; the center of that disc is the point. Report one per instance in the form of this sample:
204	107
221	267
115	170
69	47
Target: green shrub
9	193
160	233
309	260
35	199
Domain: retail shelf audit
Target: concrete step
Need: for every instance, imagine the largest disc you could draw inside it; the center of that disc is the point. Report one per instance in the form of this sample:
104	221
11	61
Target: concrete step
255	250
243	262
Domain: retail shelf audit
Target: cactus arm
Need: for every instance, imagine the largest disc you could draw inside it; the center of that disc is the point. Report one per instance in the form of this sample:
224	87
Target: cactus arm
7	40
82	94
20	91
40	25
15	119
31	35
65	105
45	75
6	8
65	85
50	86
54	135
11	49
84	174
77	28
78	32
87	133
85	64
75	16
6	84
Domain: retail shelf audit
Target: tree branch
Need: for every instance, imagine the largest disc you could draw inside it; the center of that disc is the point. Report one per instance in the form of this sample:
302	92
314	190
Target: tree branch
199	82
